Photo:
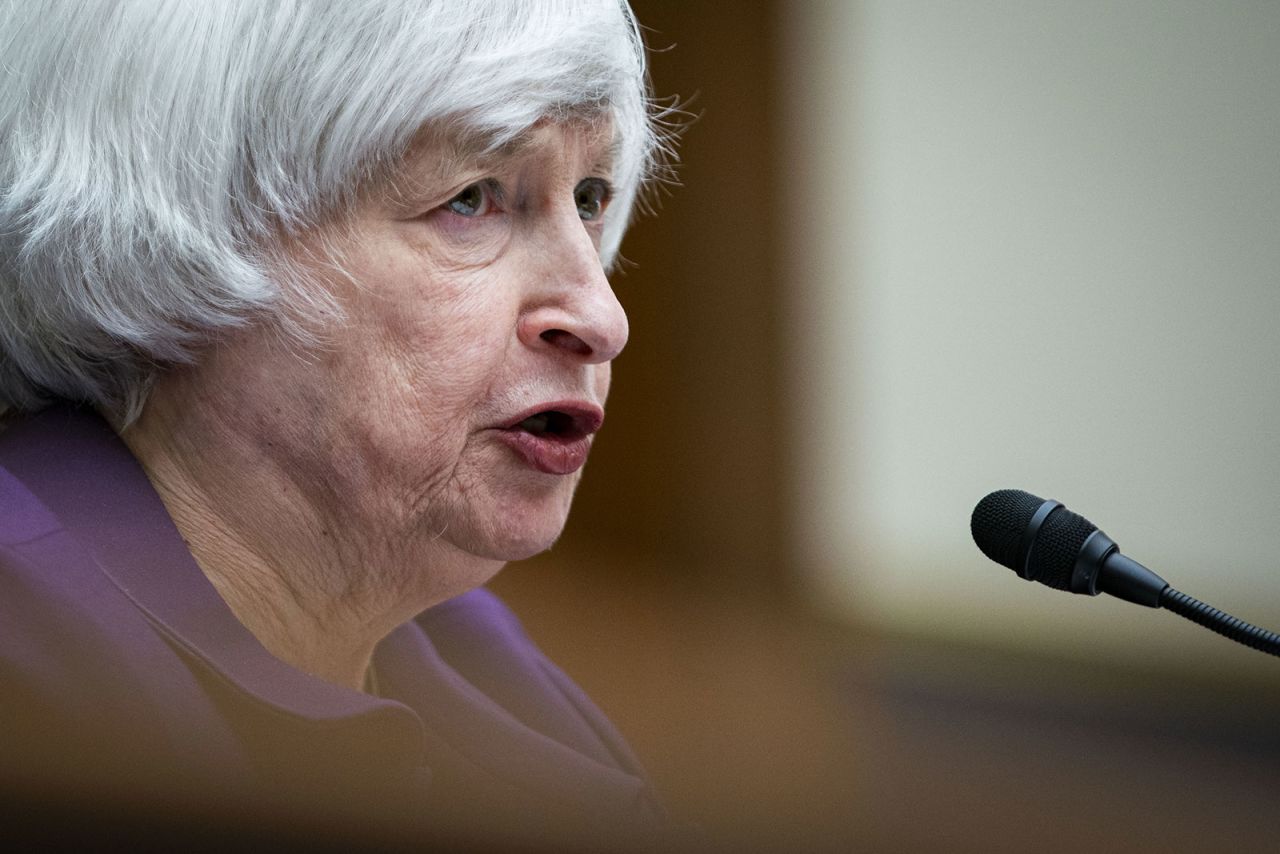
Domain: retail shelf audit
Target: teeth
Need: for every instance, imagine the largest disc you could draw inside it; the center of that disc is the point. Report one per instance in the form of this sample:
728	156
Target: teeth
536	424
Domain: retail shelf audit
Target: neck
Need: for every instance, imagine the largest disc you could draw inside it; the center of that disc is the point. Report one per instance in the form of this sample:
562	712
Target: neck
311	583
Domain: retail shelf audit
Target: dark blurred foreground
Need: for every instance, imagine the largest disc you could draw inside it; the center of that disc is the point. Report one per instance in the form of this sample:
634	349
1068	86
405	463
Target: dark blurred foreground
770	730
775	731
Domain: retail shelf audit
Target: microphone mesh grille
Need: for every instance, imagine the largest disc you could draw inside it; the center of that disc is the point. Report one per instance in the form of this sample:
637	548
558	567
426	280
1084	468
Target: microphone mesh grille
1000	520
1057	546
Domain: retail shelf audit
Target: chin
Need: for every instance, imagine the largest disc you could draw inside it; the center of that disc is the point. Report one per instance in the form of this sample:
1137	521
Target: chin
527	550
517	536
513	548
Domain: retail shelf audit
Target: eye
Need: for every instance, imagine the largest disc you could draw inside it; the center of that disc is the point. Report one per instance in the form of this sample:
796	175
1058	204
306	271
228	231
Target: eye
592	197
474	200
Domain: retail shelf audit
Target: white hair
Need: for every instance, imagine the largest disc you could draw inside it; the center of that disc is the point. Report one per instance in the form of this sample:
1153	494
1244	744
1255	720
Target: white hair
153	153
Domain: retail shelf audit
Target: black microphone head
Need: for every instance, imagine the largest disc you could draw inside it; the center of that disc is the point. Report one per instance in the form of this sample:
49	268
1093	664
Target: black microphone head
999	522
1046	552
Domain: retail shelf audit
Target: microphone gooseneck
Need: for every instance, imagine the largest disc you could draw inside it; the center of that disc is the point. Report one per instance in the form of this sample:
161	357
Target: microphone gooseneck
1222	623
1041	540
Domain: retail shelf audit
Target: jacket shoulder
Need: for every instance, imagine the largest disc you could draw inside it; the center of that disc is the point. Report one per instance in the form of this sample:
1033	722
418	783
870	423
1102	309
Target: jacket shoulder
23	517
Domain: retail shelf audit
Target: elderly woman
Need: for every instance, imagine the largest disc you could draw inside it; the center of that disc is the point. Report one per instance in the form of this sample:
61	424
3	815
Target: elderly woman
304	333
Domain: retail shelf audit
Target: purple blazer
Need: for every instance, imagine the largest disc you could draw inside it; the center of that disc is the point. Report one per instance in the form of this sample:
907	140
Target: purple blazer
124	678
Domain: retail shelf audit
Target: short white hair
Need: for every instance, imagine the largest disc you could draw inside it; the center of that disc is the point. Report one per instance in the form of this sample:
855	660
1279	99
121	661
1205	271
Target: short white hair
154	152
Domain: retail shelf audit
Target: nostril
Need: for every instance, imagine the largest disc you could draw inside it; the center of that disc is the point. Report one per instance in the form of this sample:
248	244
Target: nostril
566	341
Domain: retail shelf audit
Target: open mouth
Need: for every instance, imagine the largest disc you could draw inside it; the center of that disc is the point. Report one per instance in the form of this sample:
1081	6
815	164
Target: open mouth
555	440
566	424
553	423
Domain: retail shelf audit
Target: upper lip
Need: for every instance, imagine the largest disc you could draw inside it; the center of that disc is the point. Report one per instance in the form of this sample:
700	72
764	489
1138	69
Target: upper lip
583	418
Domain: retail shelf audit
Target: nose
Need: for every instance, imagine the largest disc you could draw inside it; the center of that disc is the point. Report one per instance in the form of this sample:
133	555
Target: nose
572	310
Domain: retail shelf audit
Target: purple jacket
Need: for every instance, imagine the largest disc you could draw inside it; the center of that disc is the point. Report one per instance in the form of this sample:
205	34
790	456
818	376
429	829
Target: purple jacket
125	677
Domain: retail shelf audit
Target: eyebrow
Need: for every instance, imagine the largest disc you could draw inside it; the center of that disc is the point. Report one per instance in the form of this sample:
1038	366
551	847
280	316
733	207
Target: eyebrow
478	150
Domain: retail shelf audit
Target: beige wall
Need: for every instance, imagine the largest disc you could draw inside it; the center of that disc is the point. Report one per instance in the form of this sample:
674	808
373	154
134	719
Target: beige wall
1036	245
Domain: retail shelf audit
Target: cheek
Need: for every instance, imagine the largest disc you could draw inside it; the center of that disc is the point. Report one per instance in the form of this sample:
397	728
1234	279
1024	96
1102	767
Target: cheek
437	363
427	341
450	344
426	314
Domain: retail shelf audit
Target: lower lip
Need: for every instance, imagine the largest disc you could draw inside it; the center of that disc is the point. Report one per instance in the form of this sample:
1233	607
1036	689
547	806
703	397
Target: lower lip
548	453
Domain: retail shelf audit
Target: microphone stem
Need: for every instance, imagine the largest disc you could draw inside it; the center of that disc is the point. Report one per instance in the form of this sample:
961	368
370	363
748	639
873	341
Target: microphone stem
1222	623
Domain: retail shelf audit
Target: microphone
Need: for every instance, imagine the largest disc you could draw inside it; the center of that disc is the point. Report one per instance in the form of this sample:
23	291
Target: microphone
1041	540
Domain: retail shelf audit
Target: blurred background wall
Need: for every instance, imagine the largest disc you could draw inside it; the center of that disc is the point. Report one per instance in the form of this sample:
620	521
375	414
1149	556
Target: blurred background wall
1040	245
920	250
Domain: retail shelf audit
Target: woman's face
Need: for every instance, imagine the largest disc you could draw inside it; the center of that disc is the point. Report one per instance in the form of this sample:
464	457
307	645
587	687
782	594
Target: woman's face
456	405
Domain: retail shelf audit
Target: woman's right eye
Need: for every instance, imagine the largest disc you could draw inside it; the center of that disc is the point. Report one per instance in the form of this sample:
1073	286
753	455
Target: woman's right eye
474	200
